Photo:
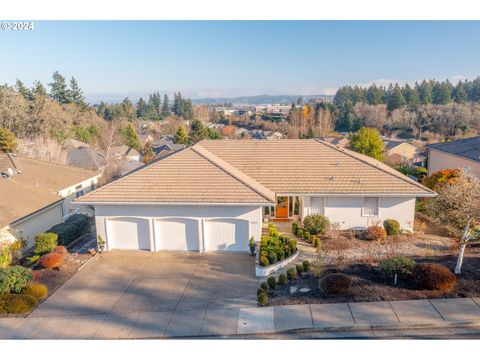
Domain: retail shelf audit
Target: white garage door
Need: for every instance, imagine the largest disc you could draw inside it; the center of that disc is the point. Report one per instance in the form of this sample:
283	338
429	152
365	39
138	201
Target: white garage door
226	235
128	233
176	234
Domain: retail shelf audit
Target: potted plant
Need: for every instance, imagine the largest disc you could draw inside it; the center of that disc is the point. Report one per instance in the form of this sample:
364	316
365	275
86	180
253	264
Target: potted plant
251	244
100	243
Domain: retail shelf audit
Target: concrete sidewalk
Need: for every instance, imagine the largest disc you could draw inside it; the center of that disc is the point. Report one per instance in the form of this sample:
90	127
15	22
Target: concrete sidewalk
410	314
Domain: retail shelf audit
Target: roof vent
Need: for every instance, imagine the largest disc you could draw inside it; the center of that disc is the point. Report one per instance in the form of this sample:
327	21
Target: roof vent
359	181
338	163
332	178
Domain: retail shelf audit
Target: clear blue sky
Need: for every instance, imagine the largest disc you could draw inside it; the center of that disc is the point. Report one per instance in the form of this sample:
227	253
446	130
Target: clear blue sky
114	59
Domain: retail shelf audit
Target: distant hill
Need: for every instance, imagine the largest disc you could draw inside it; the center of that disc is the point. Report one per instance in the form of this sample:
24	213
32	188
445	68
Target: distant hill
260	99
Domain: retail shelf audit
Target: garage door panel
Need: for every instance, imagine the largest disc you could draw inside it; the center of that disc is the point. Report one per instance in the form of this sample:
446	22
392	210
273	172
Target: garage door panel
226	235
177	234
128	234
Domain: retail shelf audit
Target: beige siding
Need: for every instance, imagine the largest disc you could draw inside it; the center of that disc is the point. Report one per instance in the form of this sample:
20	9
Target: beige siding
39	222
439	160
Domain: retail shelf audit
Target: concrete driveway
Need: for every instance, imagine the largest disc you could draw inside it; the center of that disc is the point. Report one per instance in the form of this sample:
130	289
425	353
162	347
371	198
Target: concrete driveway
123	282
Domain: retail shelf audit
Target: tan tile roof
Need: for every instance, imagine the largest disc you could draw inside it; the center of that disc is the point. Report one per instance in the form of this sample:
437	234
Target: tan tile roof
186	176
36	187
311	166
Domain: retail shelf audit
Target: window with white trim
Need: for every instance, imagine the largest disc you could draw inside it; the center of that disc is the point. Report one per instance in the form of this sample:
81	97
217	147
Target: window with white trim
370	206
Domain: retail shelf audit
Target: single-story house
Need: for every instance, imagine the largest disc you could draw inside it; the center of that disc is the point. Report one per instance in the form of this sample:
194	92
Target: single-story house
400	152
456	154
124	152
213	196
86	158
35	195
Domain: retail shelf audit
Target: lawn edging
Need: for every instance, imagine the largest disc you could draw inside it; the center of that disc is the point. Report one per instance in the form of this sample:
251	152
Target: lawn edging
263	271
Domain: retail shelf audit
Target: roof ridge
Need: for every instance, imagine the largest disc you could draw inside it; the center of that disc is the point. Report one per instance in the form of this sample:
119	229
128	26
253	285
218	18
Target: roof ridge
381	168
234	172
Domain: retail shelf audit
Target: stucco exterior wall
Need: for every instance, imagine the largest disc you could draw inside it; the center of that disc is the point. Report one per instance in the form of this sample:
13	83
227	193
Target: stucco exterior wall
347	211
70	194
253	214
439	160
40	222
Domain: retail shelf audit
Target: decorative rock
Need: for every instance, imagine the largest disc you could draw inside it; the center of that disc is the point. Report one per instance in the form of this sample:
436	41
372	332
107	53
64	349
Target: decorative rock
293	290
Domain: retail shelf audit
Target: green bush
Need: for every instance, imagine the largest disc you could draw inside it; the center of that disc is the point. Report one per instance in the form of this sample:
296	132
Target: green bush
299	268
264	261
316	241
272	257
392	227
399	265
5	255
291	274
294	228
272	231
264	286
272	282
316	224
282	279
306	265
300	233
14	279
17	303
74	227
306	235
45	243
262	298
260	290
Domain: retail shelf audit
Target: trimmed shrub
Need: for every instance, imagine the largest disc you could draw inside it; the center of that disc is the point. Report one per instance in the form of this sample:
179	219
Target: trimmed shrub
74	227
306	235
376	233
264	287
14	279
282	279
5	256
62	250
17	303
300	233
433	277
294	228
37	290
272	282
260	290
272	231
45	243
316	241
399	265
262	298
272	257
264	261
306	265
291	274
299	268
51	261
316	224
392	227
335	283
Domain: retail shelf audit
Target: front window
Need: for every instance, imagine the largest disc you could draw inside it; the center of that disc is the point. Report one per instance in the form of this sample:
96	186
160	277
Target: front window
370	206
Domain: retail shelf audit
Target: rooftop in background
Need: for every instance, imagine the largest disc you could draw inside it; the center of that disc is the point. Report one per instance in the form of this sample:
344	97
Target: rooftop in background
35	186
466	148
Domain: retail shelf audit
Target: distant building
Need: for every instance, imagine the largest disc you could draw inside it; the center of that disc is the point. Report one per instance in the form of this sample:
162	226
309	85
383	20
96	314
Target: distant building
400	152
85	157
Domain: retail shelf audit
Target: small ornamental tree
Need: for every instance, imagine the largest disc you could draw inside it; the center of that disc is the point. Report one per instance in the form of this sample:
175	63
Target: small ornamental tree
457	207
367	141
8	142
181	136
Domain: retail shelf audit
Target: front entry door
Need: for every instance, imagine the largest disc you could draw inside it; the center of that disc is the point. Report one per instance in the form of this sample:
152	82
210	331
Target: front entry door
281	210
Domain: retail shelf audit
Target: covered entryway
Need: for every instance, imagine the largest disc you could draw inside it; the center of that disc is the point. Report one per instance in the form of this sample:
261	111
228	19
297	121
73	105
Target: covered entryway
281	209
128	233
177	234
226	235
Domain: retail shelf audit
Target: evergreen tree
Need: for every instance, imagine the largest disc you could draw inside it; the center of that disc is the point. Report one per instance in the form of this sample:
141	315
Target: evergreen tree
395	99
213	134
425	92
131	138
142	108
411	97
310	134
441	93
181	136
38	89
23	90
58	88
165	106
8	142
197	131
375	95
367	141
75	94
460	93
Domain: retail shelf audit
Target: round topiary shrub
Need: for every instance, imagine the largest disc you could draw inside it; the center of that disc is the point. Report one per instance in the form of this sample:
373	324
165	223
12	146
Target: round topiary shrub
294	228
300	233
37	290
316	224
260	290
51	261
299	268
282	279
316	241
392	227
399	265
17	303
433	277
264	261
376	233
45	243
335	283
291	274
262	298
272	257
306	265
264	286
272	282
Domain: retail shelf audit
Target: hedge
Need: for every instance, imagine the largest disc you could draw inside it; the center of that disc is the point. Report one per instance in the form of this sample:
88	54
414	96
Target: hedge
74	227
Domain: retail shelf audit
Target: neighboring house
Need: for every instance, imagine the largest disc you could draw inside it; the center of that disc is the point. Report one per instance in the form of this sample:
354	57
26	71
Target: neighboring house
85	157
212	196
35	195
123	152
341	141
71	144
166	145
455	154
400	152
